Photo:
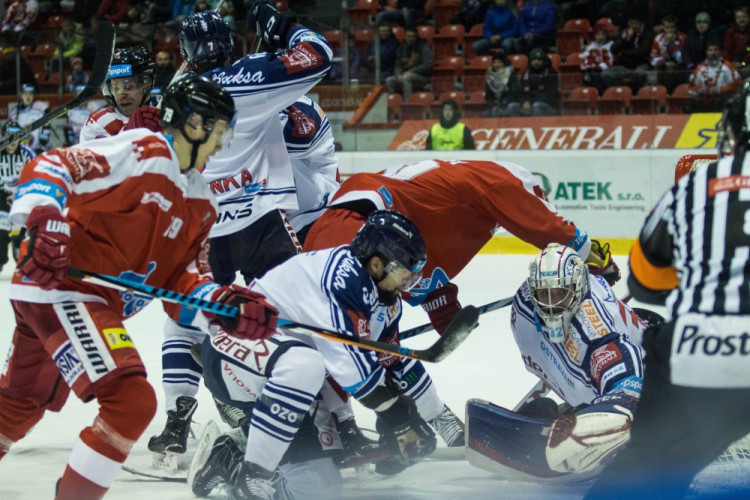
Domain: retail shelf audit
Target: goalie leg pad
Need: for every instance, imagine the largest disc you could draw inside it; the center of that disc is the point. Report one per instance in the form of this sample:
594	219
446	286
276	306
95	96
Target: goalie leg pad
579	443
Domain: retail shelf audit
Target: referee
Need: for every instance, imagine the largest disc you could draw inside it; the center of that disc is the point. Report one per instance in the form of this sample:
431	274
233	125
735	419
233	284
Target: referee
12	160
693	255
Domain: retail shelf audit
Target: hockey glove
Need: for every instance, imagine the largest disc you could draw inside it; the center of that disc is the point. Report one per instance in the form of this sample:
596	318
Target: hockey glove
442	306
270	24
46	261
144	117
256	318
405	433
602	264
581	441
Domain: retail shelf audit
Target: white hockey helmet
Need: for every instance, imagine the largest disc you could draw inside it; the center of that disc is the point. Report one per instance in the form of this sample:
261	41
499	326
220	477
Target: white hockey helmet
558	282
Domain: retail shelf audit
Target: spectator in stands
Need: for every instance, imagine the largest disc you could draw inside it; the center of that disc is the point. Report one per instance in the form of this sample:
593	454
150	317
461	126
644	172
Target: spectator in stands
164	70
113	10
77	77
19	15
405	13
536	92
413	64
501	28
389	45
450	133
8	70
336	73
470	13
697	41
597	58
631	54
737	41
497	84
70	39
537	26
713	81
666	53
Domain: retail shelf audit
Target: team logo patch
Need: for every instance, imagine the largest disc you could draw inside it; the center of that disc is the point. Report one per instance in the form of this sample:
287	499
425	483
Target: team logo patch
602	359
117	338
68	363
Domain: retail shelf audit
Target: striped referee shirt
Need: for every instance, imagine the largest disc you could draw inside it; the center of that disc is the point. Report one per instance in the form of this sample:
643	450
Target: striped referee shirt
693	253
11	166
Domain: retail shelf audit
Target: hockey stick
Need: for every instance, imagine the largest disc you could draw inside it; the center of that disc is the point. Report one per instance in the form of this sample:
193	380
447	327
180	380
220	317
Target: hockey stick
105	47
464	322
155	477
492	306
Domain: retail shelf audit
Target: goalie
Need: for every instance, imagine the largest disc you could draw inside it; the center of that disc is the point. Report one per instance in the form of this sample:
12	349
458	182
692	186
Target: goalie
584	344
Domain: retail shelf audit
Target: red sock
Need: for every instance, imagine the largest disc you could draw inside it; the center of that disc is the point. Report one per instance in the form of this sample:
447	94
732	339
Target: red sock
73	486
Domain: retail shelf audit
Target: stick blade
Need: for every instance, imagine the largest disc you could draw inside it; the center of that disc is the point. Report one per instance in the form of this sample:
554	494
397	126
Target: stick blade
460	328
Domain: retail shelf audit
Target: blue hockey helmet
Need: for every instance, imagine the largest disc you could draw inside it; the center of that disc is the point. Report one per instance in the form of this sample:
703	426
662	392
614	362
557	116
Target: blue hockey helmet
206	41
394	238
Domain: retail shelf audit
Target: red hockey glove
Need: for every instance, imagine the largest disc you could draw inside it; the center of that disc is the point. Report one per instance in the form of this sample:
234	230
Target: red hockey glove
442	306
47	259
256	319
607	269
144	117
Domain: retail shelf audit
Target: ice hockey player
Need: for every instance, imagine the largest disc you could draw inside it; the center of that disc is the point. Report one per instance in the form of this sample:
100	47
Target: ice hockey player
128	89
457	205
351	288
252	180
12	160
310	144
69	333
584	343
691	256
28	110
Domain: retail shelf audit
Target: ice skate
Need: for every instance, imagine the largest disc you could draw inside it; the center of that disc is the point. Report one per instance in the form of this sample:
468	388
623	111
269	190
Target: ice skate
252	482
449	427
225	456
172	441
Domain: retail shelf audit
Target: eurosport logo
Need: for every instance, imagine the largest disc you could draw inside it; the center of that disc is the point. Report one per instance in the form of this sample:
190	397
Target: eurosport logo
119	71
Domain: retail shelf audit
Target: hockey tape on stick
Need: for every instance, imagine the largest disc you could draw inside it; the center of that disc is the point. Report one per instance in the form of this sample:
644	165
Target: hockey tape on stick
105	47
492	306
460	328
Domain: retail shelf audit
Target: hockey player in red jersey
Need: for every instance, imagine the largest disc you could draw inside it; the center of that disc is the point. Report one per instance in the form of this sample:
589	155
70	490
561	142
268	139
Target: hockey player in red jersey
133	206
128	88
457	206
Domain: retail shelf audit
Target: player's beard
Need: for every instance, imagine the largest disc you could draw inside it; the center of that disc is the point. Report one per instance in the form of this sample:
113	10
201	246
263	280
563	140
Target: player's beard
388	298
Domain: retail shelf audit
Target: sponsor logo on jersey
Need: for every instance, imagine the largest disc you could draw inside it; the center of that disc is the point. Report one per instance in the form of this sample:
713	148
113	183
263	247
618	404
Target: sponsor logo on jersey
119	71
68	363
156	197
731	183
571	347
610	374
131	301
227	215
84	336
553	356
54	171
301	58
632	385
46	188
281	412
239	78
150	147
387	197
360	323
117	338
243	180
602	359
229	374
594	322
301	124
692	342
345	269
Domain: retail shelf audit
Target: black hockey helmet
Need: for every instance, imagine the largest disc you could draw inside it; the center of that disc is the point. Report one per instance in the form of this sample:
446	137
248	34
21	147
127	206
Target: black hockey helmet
135	63
734	126
10	127
392	237
206	41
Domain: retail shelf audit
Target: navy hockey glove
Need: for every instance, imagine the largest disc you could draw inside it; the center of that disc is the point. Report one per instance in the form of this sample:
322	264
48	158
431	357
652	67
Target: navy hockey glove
144	117
46	261
442	306
607	269
404	432
257	318
270	24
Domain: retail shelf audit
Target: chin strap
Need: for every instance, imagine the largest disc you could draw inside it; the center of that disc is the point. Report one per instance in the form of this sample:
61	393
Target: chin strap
196	144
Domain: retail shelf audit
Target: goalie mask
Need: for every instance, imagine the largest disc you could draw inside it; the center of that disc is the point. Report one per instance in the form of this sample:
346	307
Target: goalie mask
206	41
395	239
559	283
131	73
734	126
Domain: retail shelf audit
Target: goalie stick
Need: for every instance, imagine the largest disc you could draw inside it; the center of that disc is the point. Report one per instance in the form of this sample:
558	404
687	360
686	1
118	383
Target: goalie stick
105	47
460	328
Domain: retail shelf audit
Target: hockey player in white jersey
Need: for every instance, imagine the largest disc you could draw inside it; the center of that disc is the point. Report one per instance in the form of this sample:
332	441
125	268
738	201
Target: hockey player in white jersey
311	149
353	289
252	180
128	88
28	110
584	344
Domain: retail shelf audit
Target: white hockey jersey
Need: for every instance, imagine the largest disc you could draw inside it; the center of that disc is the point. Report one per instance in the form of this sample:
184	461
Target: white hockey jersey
254	176
24	115
600	355
309	142
103	123
331	289
77	118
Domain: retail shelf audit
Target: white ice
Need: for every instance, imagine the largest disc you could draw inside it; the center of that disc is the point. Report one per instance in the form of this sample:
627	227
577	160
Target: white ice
486	366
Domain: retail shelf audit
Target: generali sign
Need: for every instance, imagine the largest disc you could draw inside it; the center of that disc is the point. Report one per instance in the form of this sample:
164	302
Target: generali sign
575	132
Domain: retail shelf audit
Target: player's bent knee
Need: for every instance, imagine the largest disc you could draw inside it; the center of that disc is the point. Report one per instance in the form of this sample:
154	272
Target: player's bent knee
128	404
305	365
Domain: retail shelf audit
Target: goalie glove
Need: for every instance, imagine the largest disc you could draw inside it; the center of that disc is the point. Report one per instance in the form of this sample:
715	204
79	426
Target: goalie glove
405	433
581	441
268	23
442	305
601	264
256	318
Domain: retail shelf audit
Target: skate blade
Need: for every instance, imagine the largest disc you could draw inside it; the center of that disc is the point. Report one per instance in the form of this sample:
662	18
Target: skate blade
167	462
